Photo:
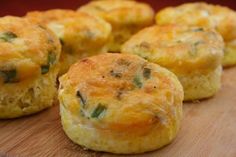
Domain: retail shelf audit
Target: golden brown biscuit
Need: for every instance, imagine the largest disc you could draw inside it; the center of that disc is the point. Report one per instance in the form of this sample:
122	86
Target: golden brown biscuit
206	15
120	103
29	55
81	34
194	54
126	17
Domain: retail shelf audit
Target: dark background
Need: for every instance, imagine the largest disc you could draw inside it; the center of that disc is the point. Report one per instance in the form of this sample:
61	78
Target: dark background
20	7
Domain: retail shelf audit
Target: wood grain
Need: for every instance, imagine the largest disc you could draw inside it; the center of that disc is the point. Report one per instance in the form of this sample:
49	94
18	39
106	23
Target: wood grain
208	130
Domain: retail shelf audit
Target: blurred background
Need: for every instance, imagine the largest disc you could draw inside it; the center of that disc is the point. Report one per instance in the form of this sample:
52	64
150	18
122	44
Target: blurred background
20	7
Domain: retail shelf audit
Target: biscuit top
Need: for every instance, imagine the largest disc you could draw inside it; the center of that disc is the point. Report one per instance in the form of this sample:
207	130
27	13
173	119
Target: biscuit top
120	13
120	92
201	14
181	49
45	17
73	28
26	50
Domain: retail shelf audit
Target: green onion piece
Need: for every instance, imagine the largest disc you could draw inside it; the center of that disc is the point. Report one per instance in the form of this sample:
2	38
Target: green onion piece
44	69
198	29
51	61
89	34
193	52
42	27
51	58
98	111
7	36
119	94
198	43
83	101
62	42
146	73
145	45
98	8
137	81
9	76
123	62
115	74
82	113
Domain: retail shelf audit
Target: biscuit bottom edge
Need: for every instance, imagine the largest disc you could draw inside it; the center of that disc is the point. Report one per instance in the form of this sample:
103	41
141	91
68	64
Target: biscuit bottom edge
114	142
200	86
229	58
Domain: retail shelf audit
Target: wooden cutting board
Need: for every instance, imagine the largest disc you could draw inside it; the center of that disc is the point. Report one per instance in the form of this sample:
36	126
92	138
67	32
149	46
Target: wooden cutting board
208	130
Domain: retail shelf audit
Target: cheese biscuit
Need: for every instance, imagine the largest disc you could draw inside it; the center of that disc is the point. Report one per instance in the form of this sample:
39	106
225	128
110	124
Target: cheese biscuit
205	15
81	34
29	65
194	54
120	103
125	16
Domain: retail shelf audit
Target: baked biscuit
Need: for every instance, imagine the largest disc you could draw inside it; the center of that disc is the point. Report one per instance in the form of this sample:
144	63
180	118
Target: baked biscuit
206	15
81	34
126	17
29	55
120	104
194	54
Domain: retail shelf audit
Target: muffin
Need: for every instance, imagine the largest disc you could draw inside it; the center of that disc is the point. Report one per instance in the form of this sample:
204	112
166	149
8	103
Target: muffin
194	54
29	64
81	35
206	15
101	109
126	18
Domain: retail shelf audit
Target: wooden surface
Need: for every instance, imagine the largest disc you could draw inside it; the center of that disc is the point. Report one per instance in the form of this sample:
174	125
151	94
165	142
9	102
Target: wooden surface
208	130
